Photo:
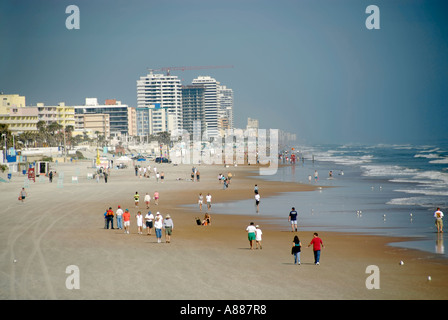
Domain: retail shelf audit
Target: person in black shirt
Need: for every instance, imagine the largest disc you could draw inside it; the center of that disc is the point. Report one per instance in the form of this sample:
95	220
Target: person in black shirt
293	219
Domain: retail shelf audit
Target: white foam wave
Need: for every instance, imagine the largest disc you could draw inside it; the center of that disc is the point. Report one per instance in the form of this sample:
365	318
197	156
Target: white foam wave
412	201
387	171
428	156
440	161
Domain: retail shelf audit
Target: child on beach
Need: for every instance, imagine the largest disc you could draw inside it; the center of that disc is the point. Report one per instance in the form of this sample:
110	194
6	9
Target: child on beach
317	243
22	195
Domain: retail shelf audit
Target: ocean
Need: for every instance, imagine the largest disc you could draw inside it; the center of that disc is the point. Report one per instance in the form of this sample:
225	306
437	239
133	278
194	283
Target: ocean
387	190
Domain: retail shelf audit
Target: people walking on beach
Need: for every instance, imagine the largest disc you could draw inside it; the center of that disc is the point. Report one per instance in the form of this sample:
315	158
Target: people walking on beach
208	199
293	219
105	219
158	225
316	176
258	234
156	198
50	176
296	248
149	219
22	195
106	175
136	199
119	214
251	230
169	226
200	201
256	189
257	201
126	221
110	218
198	175
438	215
147	200
317	246
162	176
139	218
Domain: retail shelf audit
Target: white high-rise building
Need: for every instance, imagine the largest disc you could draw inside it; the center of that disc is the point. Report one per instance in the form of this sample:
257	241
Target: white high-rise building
164	91
225	108
210	103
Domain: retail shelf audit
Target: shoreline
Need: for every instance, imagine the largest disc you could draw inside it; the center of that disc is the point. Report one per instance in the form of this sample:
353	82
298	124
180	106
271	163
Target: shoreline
201	262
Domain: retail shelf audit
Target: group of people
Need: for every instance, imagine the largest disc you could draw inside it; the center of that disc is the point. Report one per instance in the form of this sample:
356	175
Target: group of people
225	180
146	199
124	220
145	172
317	244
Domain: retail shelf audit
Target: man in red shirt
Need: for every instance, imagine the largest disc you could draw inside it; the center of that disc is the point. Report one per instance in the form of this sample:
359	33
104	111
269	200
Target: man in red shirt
316	242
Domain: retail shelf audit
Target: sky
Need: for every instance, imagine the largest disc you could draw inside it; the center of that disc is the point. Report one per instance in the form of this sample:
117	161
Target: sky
308	67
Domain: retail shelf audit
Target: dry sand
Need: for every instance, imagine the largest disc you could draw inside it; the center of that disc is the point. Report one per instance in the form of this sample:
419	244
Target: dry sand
61	226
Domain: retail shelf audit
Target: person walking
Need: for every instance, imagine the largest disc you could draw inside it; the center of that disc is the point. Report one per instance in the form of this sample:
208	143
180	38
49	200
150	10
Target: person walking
293	219
147	200
251	234
258	234
317	245
257	201
119	214
126	221
136	199
208	199
169	226
110	218
296	248
158	225
200	201
439	222
139	218
156	198
149	219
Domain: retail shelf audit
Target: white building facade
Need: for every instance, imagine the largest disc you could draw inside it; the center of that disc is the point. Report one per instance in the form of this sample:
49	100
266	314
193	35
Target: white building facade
159	100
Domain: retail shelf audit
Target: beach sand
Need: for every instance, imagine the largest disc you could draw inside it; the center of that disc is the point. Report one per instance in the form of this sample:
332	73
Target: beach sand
63	225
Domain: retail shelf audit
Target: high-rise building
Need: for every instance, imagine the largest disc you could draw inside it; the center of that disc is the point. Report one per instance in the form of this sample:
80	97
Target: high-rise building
211	104
193	108
159	94
225	108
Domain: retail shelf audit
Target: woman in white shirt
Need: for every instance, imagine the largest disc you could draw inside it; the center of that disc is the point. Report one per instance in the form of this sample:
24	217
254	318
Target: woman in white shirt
158	225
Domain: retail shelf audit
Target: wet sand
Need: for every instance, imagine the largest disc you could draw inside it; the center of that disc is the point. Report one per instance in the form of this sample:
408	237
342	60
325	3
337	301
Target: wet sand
59	226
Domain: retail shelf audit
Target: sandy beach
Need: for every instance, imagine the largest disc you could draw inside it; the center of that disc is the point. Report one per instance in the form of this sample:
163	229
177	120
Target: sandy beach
63	225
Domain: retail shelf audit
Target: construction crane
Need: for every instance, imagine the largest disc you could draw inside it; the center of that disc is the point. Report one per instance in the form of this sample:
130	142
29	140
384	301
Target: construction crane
169	69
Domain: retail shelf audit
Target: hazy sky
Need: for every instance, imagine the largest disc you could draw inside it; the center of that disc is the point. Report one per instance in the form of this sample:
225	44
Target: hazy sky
308	67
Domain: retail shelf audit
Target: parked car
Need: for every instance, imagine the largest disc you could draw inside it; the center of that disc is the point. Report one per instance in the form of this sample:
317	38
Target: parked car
162	160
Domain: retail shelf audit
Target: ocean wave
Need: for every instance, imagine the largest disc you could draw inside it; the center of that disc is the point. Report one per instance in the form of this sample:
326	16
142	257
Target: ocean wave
428	156
412	201
440	161
387	171
426	192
